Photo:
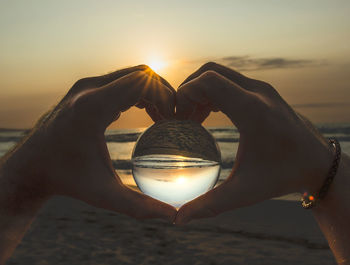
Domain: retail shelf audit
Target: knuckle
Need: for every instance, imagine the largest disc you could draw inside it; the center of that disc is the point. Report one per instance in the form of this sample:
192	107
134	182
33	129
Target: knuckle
81	103
266	87
143	67
208	66
168	93
82	84
185	210
209	75
139	74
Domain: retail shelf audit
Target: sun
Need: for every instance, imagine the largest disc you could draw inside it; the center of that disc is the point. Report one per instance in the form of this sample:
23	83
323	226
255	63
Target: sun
157	64
181	180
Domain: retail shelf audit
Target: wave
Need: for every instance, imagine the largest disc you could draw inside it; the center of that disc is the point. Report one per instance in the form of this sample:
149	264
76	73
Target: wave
122	138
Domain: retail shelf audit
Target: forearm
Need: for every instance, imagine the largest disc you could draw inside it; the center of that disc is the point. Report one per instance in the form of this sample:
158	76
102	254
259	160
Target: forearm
333	213
19	201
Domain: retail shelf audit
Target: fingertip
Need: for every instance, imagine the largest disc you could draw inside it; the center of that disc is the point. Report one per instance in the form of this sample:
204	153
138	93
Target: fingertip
193	210
200	113
163	211
184	107
154	113
142	206
143	67
181	218
171	214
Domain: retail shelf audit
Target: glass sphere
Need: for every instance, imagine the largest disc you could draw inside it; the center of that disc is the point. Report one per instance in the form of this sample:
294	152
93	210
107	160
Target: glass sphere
176	161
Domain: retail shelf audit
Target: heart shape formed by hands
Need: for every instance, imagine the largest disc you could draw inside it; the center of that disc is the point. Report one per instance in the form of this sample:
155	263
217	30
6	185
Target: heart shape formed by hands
275	154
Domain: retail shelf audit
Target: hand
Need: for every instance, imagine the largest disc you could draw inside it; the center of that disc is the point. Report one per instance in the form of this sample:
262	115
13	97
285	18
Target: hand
279	151
66	154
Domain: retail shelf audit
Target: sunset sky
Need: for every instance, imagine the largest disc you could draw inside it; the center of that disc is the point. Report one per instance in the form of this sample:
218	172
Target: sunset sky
301	47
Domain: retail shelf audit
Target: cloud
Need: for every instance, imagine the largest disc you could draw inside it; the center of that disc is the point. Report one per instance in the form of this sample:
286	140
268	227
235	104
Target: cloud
247	63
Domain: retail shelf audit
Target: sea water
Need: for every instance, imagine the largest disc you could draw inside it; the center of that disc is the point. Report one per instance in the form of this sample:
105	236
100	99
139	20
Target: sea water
174	179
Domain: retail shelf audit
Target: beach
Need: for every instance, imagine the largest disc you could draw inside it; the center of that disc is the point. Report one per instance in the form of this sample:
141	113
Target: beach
276	231
273	232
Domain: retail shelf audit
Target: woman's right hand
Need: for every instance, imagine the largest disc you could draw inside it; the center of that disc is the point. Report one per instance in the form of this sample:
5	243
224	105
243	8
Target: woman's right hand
279	152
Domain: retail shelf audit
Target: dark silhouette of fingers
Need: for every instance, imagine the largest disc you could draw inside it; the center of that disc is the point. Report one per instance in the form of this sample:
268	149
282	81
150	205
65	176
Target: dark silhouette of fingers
105	79
217	91
154	113
231	194
151	110
103	104
207	205
160	97
141	206
201	112
106	190
229	73
184	105
98	81
154	75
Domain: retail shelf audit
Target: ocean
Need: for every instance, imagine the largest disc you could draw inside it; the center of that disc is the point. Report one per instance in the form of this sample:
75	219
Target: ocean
121	142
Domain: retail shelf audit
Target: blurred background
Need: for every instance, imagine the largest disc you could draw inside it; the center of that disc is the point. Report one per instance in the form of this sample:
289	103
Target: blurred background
300	47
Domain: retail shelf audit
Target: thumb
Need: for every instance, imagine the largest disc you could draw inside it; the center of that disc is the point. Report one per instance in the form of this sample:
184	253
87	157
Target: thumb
112	195
207	205
227	196
141	206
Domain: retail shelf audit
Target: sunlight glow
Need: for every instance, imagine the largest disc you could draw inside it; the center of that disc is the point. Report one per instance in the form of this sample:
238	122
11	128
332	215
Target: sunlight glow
181	180
157	64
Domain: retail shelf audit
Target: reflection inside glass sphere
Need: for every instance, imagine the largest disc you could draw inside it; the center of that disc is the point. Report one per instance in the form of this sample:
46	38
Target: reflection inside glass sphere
174	179
176	161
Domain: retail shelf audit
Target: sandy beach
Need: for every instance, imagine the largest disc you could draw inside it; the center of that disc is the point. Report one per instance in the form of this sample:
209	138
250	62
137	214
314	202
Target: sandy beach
273	232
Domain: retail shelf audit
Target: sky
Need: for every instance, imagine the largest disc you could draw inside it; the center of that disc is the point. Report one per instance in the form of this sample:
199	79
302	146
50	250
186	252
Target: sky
301	47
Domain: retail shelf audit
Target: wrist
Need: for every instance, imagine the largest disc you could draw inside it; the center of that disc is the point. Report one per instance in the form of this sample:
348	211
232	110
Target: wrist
309	200
21	182
319	165
339	190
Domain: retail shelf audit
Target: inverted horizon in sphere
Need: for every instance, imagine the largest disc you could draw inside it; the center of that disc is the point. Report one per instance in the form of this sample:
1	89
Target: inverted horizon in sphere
174	179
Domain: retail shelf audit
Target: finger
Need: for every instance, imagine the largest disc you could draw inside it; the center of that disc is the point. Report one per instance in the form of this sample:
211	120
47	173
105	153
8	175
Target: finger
207	205
201	112
218	91
229	73
192	103
151	110
142	206
102	80
98	81
154	75
184	105
108	78
154	113
109	193
159	98
103	104
231	194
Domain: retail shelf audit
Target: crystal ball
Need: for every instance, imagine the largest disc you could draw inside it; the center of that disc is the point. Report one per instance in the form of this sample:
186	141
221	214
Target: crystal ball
176	161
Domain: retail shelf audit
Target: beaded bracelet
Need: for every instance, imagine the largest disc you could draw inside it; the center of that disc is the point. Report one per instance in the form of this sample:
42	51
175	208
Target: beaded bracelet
310	201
